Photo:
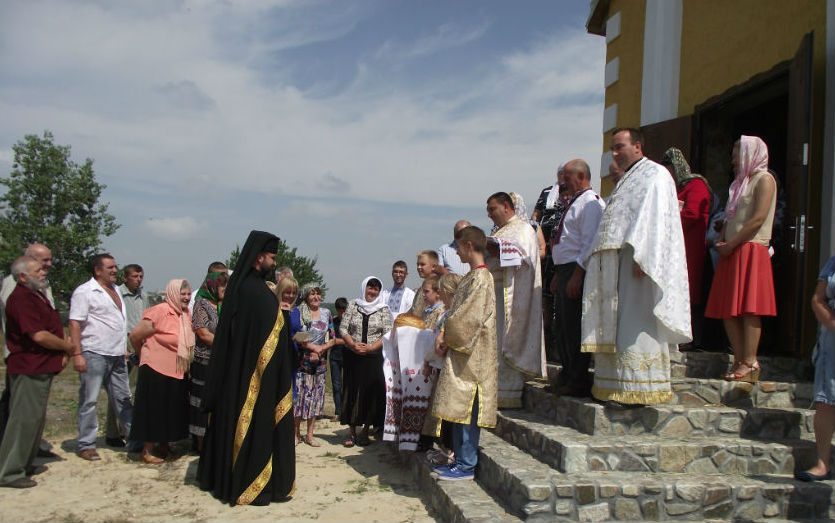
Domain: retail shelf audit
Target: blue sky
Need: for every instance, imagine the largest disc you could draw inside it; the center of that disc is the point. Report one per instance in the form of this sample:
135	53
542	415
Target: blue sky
357	131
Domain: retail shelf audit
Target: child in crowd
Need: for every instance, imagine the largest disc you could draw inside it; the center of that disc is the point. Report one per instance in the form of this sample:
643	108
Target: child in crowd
427	263
433	427
466	393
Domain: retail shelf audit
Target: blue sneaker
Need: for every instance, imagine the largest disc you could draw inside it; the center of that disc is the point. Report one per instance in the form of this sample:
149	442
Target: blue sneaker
440	469
454	473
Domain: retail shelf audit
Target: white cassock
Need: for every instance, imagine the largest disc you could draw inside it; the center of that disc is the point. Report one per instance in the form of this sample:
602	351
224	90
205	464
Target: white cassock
632	323
518	283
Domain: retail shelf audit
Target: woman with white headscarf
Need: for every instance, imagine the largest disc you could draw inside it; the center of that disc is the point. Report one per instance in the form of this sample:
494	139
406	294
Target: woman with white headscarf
363	390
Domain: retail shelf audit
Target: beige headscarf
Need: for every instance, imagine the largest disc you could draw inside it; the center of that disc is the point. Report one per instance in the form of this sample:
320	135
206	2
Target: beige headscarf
185	336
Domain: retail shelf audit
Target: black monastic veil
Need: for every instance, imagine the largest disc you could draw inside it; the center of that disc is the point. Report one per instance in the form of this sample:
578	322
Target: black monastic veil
248	452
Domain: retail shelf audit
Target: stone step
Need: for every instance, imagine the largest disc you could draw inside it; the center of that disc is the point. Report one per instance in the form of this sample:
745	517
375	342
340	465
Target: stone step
714	364
455	501
589	417
569	451
537	492
773	394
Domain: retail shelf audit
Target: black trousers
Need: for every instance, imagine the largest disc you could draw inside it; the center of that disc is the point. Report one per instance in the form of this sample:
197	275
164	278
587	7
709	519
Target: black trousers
575	364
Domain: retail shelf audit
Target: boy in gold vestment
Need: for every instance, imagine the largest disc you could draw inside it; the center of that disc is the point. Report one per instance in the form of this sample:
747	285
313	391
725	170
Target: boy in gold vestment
466	393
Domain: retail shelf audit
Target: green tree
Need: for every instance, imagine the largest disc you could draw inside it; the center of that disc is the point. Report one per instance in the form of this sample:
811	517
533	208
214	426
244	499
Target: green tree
304	268
52	200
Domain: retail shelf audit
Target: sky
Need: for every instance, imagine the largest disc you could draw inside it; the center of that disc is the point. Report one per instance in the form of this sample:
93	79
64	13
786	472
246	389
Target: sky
357	131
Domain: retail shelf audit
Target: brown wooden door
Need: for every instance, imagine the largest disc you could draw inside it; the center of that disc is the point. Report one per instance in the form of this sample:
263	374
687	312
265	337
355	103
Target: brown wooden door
670	133
797	326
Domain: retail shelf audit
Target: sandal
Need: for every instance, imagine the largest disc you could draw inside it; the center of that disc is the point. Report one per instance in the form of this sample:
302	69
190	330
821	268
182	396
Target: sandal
312	442
349	442
751	376
150	459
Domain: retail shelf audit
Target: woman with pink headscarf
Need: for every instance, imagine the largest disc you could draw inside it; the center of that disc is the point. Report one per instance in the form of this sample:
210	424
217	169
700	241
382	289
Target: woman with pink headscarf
164	341
743	287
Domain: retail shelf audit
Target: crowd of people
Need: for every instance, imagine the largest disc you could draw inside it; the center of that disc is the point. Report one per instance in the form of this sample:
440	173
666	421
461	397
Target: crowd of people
240	364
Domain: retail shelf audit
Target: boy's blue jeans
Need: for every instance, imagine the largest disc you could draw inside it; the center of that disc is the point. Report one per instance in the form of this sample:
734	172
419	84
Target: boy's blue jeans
465	441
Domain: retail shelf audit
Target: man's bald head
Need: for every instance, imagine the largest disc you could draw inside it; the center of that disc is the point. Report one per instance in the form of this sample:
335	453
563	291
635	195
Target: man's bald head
460	224
577	175
41	253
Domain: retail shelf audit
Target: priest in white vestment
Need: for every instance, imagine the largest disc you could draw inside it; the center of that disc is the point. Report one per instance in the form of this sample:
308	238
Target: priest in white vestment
636	301
514	263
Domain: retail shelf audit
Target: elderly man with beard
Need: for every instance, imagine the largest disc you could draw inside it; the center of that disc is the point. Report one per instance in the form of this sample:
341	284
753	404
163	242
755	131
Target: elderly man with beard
37	352
41	253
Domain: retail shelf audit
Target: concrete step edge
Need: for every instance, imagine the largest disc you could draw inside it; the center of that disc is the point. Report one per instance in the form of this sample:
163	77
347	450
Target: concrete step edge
456	501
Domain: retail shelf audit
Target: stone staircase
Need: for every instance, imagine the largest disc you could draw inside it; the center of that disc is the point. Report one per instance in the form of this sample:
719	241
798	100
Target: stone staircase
719	451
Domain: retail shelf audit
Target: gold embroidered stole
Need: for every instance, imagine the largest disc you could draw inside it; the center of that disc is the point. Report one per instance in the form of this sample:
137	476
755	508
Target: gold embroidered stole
245	418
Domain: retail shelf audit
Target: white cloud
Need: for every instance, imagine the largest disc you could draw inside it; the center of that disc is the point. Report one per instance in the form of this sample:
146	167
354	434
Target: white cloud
180	228
196	98
446	36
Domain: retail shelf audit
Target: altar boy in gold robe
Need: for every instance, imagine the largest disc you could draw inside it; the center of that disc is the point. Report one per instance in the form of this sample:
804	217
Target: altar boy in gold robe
466	393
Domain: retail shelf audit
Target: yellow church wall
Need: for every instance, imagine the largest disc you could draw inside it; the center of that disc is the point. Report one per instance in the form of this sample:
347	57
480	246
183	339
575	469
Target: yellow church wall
629	47
724	43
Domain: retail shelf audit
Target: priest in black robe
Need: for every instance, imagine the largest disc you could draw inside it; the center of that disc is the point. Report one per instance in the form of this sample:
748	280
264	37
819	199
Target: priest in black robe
248	455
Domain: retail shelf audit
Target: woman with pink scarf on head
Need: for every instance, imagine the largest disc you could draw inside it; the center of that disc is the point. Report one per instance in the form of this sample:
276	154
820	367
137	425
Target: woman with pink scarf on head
743	287
164	341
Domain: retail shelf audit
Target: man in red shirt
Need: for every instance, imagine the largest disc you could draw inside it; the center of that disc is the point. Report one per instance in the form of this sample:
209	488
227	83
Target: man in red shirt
38	351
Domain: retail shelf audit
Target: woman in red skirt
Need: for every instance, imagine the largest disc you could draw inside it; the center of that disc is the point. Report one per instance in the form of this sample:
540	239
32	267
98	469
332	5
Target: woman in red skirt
743	287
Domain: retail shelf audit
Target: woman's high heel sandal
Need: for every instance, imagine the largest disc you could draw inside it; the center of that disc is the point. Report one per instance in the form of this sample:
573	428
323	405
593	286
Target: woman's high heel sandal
738	373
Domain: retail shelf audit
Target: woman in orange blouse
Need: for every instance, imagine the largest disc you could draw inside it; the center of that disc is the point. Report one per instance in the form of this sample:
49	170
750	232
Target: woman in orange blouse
164	341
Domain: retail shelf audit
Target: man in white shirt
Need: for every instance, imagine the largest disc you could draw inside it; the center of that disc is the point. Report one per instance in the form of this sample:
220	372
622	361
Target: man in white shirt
448	259
398	297
98	329
571	243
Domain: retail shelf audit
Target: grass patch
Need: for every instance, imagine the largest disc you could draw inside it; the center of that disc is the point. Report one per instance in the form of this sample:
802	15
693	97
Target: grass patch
358	486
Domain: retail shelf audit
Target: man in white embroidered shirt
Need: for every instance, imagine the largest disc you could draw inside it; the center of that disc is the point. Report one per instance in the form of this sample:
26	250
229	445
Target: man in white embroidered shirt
398	297
571	243
98	330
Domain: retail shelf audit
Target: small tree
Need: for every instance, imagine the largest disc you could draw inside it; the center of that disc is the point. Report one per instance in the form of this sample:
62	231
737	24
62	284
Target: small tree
52	200
304	268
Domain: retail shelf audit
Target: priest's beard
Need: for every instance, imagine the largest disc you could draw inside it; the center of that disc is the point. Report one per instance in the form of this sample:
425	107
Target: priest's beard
264	271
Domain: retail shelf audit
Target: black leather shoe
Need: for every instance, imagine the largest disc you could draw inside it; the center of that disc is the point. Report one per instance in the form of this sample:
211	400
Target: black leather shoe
806	476
34	470
47	454
21	483
115	442
574	391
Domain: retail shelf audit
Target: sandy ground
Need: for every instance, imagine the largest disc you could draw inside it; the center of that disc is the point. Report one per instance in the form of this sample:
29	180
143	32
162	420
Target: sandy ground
333	483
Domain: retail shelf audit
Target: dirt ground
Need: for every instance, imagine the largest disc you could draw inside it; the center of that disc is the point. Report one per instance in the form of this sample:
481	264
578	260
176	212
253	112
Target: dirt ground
333	483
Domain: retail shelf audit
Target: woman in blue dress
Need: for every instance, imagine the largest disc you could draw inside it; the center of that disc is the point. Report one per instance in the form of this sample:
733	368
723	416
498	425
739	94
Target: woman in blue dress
823	305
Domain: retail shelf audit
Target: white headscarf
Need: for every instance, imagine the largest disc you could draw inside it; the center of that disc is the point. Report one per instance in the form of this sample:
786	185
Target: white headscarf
370	307
554	195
